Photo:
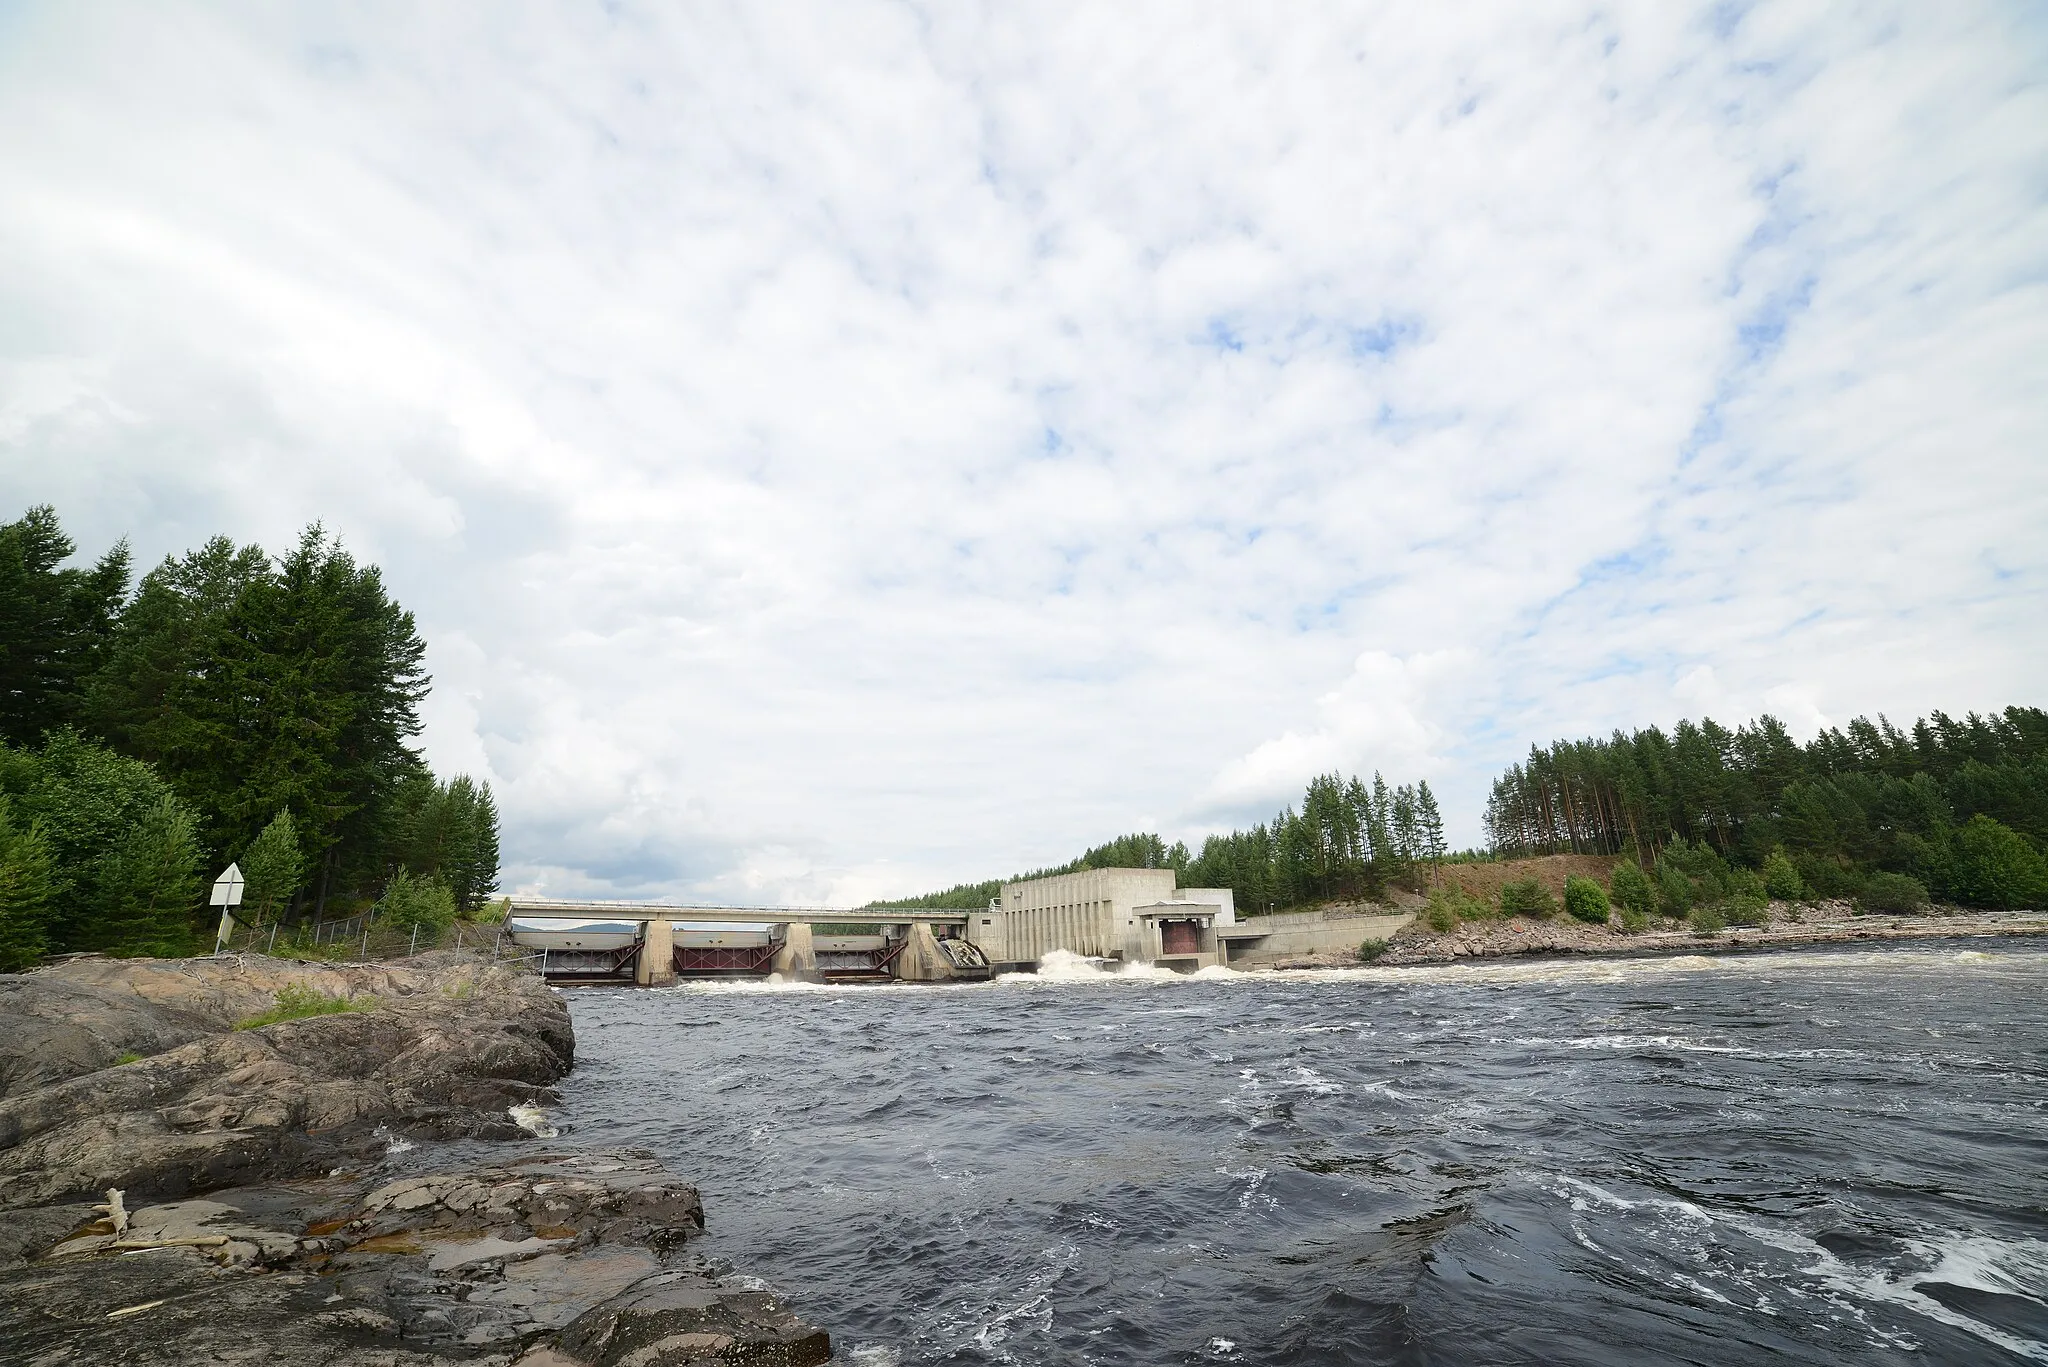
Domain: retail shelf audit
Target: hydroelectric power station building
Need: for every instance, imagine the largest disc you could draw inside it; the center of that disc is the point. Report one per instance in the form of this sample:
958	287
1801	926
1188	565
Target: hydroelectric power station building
1135	915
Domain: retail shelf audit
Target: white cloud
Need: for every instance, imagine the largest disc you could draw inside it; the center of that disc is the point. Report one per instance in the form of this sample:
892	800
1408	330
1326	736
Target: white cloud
834	450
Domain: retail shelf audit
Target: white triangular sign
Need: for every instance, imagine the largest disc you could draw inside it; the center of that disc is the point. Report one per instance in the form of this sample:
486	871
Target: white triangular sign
227	889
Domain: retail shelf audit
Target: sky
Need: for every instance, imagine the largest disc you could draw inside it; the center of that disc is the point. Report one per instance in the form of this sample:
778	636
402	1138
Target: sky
837	450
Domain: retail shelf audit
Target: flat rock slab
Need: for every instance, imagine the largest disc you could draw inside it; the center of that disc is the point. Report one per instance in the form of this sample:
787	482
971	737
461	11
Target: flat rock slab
483	1265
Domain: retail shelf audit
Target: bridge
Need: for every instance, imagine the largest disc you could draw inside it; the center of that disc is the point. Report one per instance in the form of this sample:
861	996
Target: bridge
637	942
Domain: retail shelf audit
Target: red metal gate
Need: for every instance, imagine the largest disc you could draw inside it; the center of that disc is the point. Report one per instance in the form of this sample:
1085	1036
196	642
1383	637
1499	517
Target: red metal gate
714	961
1180	937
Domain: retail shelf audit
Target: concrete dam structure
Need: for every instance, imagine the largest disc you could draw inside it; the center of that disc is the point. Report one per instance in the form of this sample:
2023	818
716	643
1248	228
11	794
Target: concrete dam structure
653	944
1112	915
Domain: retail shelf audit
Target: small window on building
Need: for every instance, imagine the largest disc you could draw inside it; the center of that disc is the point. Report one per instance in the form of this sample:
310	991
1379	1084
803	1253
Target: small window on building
985	921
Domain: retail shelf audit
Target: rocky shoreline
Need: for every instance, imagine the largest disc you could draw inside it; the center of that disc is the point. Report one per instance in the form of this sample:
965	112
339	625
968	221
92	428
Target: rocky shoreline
1788	926
179	1190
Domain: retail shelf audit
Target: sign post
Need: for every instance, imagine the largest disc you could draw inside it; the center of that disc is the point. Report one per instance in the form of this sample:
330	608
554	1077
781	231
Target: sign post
227	895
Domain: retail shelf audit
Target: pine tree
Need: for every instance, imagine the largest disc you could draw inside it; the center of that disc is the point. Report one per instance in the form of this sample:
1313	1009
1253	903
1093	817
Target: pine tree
1407	835
1431	821
1379	817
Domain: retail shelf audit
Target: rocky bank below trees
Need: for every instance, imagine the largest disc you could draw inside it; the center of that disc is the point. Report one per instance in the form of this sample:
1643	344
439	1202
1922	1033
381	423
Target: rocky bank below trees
252	1222
1789	926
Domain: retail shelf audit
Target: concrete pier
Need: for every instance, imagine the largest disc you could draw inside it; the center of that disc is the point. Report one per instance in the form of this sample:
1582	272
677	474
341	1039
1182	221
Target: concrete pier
796	961
657	965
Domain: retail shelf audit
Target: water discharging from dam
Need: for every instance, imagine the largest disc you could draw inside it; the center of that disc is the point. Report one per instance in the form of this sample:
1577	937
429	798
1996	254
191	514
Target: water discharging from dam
1835	1157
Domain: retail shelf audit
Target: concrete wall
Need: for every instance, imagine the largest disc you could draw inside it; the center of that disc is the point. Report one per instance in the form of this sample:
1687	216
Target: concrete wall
1295	934
1085	913
1092	912
1223	899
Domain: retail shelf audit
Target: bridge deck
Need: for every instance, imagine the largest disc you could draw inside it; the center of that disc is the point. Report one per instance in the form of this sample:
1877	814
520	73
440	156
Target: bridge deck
553	909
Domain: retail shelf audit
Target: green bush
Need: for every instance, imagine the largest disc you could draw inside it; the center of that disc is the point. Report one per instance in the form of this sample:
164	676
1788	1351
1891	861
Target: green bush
1372	950
423	902
1745	909
1586	900
1706	920
297	1001
1991	865
1527	897
1633	922
493	913
1891	892
1633	890
1825	877
1674	891
1449	904
1781	877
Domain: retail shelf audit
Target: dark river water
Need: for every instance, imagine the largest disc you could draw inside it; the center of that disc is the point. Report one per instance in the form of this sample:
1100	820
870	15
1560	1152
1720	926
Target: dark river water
1805	1157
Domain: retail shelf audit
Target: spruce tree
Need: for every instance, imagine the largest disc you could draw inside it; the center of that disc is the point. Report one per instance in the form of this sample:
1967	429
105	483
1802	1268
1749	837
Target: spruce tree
55	624
481	877
27	884
274	868
154	885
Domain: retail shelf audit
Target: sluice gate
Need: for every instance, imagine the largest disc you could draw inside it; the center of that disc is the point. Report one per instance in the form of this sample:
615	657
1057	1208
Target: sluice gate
591	965
720	961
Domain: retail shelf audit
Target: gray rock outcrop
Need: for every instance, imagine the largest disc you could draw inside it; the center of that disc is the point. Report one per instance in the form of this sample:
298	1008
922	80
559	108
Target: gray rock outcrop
450	1047
250	1223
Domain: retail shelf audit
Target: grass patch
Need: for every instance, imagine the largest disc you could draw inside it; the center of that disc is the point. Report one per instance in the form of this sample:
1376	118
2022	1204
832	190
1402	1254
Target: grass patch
127	1058
296	1001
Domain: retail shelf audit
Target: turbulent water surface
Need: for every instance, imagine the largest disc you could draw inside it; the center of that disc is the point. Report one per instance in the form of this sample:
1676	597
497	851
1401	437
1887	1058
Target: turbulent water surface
1817	1157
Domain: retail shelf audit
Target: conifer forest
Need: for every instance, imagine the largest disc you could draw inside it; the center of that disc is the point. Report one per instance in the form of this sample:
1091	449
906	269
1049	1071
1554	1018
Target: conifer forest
231	705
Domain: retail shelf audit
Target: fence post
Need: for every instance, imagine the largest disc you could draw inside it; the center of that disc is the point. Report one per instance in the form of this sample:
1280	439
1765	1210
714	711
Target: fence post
364	955
414	948
273	938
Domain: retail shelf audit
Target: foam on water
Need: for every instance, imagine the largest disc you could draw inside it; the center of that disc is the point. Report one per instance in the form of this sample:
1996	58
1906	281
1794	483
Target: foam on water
532	1119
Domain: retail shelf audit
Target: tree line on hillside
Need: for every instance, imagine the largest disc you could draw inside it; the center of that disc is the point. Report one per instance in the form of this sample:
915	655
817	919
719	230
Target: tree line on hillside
1348	839
232	705
1947	808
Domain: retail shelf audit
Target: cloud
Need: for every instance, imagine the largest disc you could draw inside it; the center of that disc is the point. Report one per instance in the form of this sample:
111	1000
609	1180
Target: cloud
1384	714
840	449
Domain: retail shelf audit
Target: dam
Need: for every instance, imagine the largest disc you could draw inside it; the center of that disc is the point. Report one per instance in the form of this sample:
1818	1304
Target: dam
654	944
1112	915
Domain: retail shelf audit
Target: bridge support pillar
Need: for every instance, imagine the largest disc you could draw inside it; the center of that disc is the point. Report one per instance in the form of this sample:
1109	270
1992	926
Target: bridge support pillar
657	966
796	961
921	961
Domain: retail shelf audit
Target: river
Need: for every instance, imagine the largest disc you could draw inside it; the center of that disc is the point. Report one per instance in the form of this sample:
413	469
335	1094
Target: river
1824	1157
